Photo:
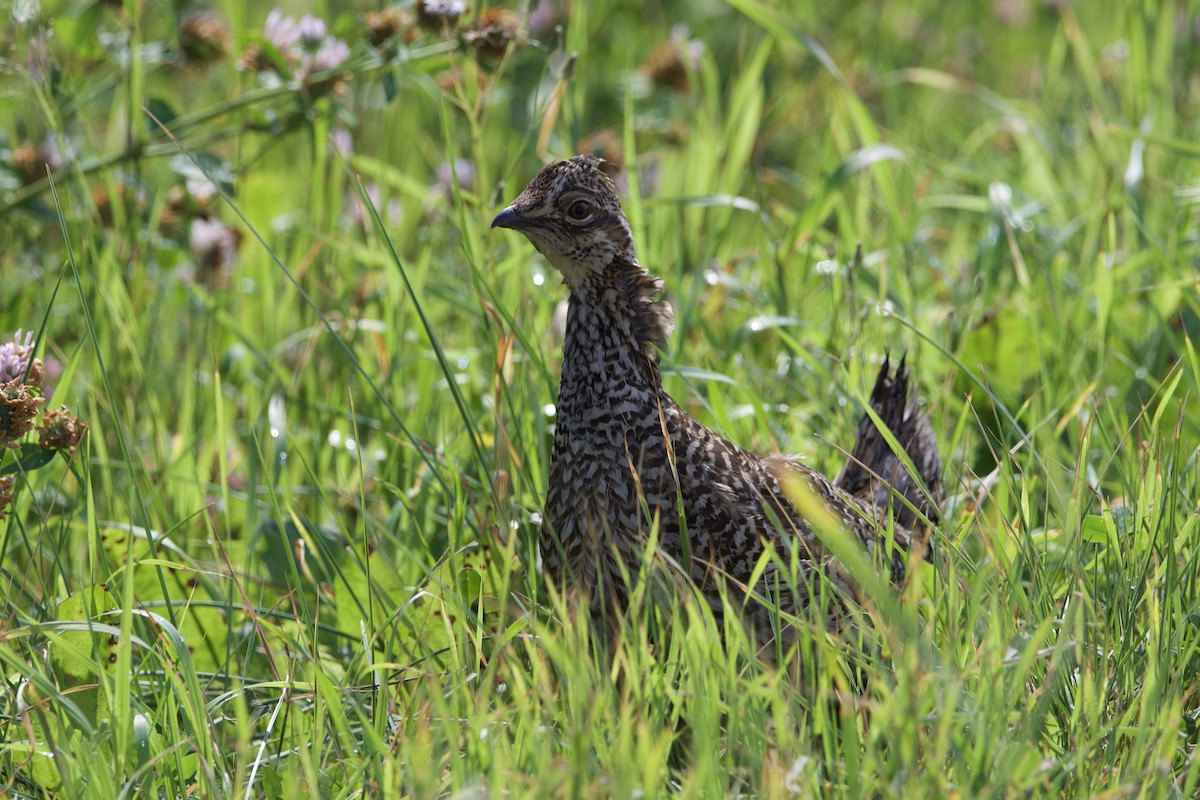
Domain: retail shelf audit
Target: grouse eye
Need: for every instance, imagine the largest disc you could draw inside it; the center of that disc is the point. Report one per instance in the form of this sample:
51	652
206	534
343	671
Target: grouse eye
580	209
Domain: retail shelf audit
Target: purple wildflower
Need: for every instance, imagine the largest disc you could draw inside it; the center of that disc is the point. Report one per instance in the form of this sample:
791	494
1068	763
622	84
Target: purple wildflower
312	31
330	54
16	358
281	31
306	45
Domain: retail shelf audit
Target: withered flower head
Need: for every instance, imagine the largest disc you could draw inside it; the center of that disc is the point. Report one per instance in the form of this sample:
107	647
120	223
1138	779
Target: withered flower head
383	25
668	65
606	144
496	30
18	407
7	493
253	59
440	14
24	158
214	245
60	431
203	37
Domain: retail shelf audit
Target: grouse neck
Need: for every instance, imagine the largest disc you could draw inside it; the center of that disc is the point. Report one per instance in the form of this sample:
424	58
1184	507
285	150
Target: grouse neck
625	302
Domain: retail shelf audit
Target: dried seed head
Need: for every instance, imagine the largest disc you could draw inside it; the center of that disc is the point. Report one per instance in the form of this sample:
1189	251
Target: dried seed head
18	407
60	431
670	62
494	33
24	158
203	37
383	25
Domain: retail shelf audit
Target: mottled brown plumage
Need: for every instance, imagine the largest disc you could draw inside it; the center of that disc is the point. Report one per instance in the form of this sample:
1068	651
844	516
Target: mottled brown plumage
627	457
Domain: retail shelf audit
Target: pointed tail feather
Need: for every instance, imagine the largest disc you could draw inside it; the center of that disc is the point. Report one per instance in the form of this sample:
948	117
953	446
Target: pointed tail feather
874	474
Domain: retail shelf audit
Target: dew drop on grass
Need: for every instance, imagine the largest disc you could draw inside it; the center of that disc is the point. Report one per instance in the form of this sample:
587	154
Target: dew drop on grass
335	438
462	363
826	267
549	410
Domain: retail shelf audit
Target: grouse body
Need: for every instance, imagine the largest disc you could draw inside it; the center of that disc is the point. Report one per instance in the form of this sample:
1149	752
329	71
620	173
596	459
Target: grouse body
626	457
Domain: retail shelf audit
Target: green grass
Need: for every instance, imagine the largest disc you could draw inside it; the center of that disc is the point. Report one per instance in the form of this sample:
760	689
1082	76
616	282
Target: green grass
295	552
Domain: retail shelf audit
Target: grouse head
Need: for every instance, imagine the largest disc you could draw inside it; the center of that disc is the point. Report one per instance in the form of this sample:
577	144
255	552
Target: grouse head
571	213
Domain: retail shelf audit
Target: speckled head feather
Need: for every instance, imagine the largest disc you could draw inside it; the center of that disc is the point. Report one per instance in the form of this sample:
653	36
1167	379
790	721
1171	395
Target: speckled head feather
571	213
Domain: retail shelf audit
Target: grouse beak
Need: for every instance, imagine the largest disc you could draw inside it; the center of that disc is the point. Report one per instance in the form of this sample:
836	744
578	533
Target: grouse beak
508	218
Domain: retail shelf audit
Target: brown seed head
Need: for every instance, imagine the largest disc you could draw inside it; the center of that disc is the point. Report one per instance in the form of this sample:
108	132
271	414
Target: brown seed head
18	407
203	37
383	25
494	33
61	431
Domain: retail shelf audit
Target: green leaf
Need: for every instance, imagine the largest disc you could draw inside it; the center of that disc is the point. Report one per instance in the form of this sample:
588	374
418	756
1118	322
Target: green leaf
32	457
159	109
1094	529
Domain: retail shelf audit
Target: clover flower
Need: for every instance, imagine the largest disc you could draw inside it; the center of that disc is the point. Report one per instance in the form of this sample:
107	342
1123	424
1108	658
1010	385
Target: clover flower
17	362
214	246
305	45
327	55
281	31
440	14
